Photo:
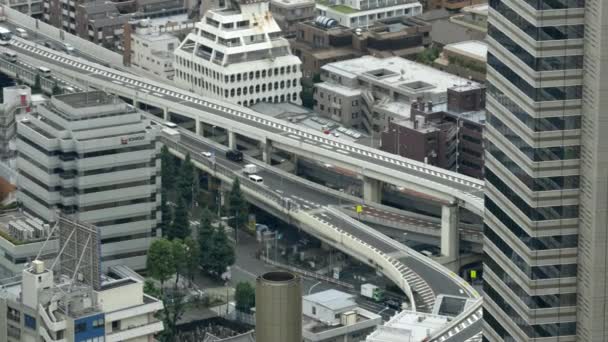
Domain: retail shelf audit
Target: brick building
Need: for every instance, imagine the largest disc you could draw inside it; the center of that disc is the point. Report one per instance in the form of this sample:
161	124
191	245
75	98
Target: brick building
448	135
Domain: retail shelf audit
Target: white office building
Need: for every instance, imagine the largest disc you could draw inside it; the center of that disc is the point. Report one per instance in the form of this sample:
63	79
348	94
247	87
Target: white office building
44	307
362	13
333	315
238	54
92	158
152	51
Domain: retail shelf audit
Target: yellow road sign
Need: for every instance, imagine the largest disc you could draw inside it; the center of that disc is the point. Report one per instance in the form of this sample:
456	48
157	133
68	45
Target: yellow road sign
359	209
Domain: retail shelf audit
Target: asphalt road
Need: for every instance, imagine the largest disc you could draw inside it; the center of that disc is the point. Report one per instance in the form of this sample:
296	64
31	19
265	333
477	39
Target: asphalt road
172	94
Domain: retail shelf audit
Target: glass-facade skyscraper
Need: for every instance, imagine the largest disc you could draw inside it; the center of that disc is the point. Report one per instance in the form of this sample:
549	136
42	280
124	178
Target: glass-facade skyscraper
546	219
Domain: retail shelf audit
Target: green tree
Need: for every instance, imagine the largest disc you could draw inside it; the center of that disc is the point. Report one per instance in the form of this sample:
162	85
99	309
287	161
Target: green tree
192	257
160	264
237	205
222	252
167	170
166	214
179	255
428	56
204	236
174	307
37	87
244	296
180	227
185	183
56	89
150	289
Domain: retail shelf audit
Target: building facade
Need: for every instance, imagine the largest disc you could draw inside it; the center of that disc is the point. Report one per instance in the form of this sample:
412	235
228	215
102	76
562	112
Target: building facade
546	187
333	315
92	158
448	135
361	13
466	59
152	51
33	8
40	308
102	22
322	41
288	13
368	92
238	55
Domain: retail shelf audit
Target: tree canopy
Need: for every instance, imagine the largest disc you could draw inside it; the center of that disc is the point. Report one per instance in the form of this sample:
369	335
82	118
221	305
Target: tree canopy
237	205
167	170
180	227
244	296
222	252
159	265
185	183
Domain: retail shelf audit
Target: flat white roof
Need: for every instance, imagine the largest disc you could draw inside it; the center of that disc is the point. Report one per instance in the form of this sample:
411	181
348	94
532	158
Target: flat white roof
408	323
332	299
398	72
473	48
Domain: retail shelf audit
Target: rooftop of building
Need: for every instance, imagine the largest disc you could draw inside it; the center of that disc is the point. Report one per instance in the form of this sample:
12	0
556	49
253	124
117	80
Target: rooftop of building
314	326
154	35
397	72
408	326
472	48
19	227
480	9
332	299
307	118
445	31
87	99
292	3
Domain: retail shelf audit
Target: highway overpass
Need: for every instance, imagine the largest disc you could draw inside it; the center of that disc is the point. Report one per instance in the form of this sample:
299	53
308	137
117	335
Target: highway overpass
415	273
372	166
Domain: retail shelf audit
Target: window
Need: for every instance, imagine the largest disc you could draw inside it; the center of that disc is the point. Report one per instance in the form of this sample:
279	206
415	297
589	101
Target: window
80	327
30	322
98	323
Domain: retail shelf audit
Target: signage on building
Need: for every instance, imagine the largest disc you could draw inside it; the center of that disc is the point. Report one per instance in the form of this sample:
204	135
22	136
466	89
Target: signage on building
126	140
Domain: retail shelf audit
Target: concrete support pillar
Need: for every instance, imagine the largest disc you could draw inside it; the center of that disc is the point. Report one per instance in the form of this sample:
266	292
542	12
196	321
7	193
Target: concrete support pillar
136	104
450	237
266	146
231	140
198	128
372	190
166	114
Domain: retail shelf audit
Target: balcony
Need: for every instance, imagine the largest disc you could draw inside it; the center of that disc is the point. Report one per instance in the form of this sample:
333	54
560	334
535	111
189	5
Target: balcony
151	305
47	338
51	324
134	332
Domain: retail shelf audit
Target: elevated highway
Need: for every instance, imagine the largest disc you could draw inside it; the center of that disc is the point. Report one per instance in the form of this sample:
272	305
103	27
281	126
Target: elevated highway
419	277
317	210
373	166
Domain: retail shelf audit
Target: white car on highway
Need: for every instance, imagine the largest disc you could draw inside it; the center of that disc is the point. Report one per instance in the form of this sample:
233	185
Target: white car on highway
206	154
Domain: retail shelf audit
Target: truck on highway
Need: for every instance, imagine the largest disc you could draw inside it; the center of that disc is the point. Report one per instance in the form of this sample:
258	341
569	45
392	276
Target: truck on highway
172	134
250	169
372	292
